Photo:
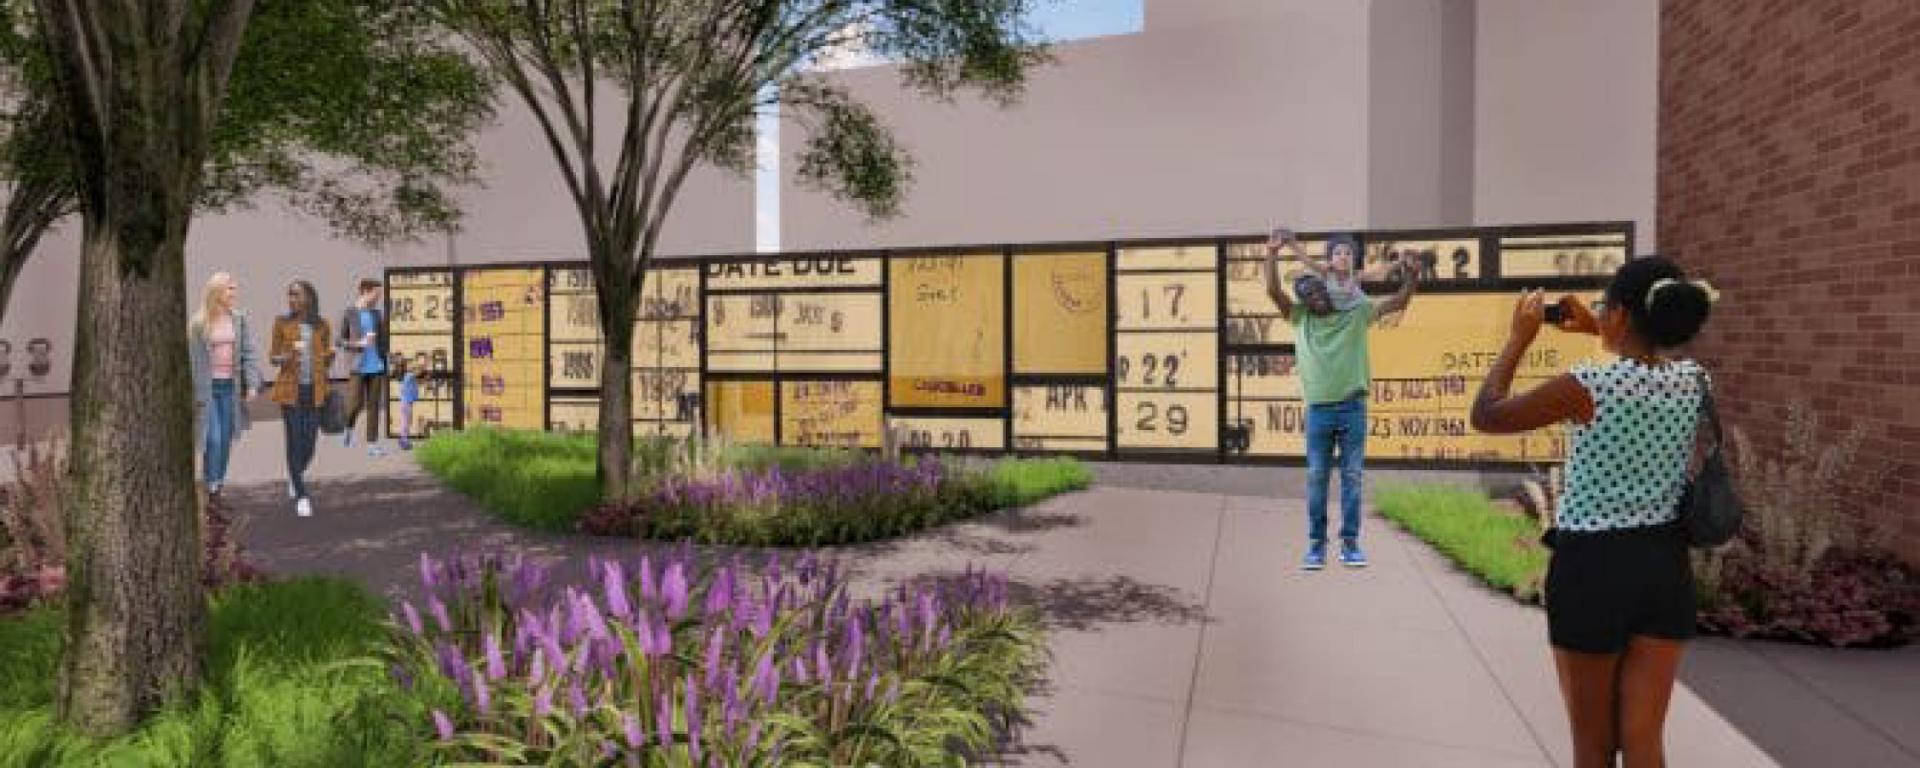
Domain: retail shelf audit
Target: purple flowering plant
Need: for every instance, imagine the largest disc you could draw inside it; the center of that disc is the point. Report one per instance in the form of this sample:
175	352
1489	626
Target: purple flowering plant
660	661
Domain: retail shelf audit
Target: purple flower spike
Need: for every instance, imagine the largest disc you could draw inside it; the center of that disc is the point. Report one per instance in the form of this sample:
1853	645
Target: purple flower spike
648	591
649	643
822	666
856	644
496	665
663	719
730	693
630	728
799	671
482	698
412	617
753	737
716	645
442	725
616	588
872	683
577	699
766	679
542	701
674	587
439	611
429	579
720	595
451	665
663	635
693	717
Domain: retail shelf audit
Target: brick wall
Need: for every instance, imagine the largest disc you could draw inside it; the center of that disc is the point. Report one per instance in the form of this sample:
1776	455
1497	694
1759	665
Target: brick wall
1789	172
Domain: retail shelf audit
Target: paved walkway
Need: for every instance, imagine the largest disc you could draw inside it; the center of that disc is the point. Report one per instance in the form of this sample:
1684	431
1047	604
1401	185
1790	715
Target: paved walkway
1184	635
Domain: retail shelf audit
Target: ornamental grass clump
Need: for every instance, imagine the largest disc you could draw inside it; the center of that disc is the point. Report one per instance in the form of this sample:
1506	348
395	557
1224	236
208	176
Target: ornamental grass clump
660	663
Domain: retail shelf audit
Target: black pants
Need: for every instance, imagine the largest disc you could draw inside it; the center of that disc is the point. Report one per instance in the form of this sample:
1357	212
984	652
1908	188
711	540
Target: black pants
303	430
367	391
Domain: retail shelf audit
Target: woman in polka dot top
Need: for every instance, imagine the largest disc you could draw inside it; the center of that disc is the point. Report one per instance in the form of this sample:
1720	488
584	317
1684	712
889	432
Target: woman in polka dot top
1619	588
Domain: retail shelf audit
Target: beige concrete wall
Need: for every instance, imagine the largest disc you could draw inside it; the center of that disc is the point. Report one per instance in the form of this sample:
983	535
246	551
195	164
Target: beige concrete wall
1221	115
521	213
1567	104
1227	115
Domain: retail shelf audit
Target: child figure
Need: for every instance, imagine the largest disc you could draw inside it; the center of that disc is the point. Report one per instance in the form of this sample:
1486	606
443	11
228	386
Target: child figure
1339	269
409	392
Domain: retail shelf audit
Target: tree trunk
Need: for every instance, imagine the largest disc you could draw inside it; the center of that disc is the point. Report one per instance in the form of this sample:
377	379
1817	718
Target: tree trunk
136	609
614	467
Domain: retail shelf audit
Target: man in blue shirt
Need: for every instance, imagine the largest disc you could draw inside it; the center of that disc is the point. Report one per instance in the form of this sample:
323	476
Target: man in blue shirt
363	335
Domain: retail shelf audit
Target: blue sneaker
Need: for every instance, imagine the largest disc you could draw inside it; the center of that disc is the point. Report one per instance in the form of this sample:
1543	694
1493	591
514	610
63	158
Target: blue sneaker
1350	554
1316	557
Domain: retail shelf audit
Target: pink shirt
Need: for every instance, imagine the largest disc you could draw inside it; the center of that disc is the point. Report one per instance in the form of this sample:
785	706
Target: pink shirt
220	341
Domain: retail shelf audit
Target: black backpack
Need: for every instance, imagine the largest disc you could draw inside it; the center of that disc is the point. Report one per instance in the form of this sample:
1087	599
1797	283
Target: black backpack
1710	510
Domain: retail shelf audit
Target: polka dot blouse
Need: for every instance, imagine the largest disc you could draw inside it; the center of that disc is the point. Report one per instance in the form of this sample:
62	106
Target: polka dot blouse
1629	464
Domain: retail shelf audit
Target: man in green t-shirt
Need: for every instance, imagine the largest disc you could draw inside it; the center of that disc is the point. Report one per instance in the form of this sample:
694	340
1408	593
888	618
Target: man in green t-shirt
1330	347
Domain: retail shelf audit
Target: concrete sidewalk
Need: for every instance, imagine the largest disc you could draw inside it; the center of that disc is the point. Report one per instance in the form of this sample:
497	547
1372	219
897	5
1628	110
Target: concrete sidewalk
1185	635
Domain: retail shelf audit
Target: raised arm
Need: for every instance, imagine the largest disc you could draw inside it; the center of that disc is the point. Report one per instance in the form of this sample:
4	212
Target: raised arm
1274	290
1562	398
1409	280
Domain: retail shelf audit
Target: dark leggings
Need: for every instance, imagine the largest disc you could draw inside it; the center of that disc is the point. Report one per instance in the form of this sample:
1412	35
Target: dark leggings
303	430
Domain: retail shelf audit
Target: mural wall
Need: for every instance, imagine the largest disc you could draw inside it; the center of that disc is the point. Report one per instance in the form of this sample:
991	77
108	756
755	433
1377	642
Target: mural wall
1131	349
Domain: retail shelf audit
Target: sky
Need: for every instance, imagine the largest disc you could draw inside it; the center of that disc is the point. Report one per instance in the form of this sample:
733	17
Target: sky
1057	20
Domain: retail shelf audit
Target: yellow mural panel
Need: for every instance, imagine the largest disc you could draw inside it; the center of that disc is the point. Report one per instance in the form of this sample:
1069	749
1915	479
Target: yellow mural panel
420	310
574	317
1176	360
1443	335
1584	255
574	365
1060	313
1163	301
670	294
796	271
666	344
665	394
947	340
836	414
944	434
740	411
1060	418
573	414
504	348
742	322
829	322
1197	256
1439	260
1167	420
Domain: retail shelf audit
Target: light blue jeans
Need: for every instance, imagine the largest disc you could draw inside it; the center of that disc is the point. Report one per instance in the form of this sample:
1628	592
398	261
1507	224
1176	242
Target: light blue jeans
220	431
1332	427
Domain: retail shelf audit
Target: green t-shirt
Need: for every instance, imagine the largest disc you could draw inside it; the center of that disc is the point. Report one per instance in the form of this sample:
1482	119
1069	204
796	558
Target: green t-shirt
1332	352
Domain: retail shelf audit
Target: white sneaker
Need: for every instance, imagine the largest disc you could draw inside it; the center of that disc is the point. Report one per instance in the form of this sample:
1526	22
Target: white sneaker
290	493
303	507
376	451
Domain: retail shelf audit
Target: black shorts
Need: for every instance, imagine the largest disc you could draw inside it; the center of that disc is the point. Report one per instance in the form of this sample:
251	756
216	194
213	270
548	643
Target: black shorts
1604	587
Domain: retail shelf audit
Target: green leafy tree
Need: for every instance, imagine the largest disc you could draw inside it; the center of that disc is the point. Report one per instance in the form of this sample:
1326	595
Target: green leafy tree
688	78
350	111
119	111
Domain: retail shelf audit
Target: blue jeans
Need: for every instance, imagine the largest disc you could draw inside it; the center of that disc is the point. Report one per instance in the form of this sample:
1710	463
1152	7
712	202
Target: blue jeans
303	430
220	431
1338	426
